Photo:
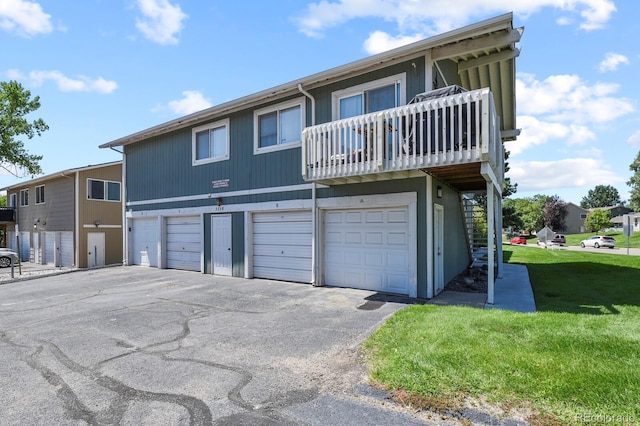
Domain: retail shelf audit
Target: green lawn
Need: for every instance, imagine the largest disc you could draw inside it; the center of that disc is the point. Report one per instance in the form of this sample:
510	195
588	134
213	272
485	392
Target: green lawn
577	359
574	239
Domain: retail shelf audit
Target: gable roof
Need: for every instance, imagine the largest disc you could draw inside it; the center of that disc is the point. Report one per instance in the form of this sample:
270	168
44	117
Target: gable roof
62	173
484	52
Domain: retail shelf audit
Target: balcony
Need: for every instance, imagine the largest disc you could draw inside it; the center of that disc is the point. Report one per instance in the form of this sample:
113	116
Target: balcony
454	138
7	215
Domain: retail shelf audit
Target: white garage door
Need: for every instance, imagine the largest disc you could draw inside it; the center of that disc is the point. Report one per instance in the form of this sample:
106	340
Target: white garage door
282	246
184	246
144	242
368	249
49	247
58	248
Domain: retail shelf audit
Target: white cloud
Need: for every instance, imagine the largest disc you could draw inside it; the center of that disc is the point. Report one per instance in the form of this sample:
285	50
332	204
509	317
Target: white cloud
565	173
435	16
25	18
634	140
568	98
64	83
191	102
161	21
379	41
612	60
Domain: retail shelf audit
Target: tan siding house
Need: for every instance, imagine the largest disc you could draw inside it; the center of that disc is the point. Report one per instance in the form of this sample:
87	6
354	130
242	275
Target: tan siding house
71	218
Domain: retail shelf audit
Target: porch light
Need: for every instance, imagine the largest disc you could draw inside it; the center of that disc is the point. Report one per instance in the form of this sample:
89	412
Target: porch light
439	192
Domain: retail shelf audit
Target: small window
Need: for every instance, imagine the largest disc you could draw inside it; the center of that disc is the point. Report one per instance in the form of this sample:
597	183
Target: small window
103	190
40	194
13	200
210	143
279	127
24	197
583	215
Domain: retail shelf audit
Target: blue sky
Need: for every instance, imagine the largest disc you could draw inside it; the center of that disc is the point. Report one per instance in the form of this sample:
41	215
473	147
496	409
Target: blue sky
107	68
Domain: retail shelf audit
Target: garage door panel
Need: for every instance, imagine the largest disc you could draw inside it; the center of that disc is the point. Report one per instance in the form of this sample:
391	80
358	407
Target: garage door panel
283	239
299	264
283	217
282	275
282	228
282	245
184	246
283	250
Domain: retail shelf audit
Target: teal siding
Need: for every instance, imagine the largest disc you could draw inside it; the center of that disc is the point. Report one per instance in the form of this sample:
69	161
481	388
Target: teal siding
456	252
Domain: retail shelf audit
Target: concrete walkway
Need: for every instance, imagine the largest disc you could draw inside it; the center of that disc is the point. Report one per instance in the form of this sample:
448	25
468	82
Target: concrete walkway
513	292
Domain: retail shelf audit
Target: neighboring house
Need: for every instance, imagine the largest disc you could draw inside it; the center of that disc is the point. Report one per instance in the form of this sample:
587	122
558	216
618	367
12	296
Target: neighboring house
574	221
614	210
618	221
69	218
336	178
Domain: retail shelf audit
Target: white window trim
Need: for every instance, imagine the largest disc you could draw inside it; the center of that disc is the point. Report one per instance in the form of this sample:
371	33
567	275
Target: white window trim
41	202
21	198
217	124
106	190
12	200
285	105
360	88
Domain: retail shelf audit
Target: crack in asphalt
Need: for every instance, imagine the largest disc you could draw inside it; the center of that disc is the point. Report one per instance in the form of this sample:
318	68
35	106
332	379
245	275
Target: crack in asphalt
264	413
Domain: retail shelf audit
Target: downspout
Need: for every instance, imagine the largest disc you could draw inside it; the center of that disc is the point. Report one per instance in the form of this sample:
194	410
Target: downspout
77	216
125	226
314	210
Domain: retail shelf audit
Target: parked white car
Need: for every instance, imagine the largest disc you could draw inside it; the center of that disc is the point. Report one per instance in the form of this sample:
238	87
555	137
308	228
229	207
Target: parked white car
598	241
6	256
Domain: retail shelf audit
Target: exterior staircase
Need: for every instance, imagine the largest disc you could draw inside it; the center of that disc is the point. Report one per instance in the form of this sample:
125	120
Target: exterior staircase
474	217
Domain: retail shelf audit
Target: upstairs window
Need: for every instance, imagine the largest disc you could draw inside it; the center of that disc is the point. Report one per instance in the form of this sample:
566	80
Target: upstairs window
369	97
279	127
13	200
210	143
103	190
24	197
40	194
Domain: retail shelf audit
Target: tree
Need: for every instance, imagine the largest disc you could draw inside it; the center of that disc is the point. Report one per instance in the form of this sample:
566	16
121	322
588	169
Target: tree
510	218
554	213
530	211
601	196
634	183
15	104
597	220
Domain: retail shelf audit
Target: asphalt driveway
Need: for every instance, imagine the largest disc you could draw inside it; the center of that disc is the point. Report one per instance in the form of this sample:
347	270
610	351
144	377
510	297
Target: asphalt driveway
132	345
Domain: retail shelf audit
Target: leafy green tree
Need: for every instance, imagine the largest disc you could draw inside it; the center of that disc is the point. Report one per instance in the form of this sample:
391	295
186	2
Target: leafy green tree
601	196
3	201
597	220
554	212
634	183
510	218
530	211
15	104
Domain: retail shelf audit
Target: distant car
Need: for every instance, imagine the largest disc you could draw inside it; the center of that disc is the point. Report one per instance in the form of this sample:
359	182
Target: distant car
6	256
598	241
519	240
559	239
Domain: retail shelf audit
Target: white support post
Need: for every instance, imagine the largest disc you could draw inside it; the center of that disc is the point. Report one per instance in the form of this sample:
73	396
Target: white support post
430	271
490	242
499	235
380	136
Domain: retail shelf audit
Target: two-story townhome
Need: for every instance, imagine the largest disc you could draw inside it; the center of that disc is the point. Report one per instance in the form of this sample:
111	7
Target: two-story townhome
357	176
69	218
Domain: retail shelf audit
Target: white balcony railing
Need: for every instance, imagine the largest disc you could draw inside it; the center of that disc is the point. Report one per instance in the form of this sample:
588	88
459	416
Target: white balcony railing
457	129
